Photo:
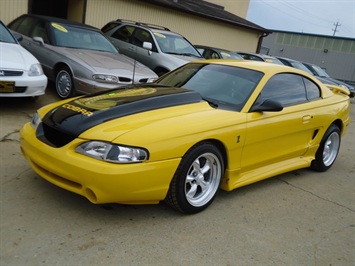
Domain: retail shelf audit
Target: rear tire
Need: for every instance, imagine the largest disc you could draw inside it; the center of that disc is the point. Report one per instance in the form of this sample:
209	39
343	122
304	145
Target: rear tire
64	83
197	179
328	150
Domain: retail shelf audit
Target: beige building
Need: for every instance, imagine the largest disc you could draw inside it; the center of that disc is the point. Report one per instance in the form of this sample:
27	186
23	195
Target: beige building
219	23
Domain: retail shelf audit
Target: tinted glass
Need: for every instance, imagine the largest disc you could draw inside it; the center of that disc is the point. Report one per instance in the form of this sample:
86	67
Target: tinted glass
226	86
25	25
124	33
312	89
141	36
288	89
39	30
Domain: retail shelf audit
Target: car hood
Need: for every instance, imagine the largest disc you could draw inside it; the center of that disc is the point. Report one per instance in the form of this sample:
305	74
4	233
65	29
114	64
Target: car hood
106	62
77	116
14	56
179	60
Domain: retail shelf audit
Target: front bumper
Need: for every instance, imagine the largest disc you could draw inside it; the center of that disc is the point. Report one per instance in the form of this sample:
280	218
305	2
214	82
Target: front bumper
26	86
98	181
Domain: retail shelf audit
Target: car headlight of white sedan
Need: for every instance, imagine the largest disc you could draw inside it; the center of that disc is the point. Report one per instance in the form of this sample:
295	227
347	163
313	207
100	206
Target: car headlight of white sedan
112	153
35	70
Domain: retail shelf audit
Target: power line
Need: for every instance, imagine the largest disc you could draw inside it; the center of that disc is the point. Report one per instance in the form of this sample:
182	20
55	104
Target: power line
336	26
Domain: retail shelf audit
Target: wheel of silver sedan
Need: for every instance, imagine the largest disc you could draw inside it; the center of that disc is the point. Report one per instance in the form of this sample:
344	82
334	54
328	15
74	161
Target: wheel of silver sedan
197	179
328	149
64	83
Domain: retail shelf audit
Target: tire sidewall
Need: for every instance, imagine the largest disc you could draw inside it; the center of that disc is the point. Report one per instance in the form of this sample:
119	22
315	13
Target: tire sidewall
318	162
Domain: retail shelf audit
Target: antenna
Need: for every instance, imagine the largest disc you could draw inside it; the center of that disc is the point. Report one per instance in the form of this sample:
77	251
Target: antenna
134	65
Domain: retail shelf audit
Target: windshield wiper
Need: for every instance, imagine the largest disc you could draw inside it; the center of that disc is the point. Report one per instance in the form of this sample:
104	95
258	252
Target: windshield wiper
185	54
210	102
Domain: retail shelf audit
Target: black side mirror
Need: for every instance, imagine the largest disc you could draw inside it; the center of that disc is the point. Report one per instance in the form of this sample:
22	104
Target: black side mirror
267	106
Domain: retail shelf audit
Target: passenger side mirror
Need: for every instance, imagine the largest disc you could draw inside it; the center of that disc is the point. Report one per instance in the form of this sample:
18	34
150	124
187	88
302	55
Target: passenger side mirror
267	106
38	40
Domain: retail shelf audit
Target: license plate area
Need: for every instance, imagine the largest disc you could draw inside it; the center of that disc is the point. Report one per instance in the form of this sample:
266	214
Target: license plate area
7	86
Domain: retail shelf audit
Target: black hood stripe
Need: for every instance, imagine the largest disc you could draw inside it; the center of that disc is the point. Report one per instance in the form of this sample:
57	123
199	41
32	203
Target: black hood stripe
79	115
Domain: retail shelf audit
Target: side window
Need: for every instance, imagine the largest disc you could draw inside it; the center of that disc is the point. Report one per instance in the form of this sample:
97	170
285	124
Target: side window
288	89
26	25
40	31
141	36
312	89
124	33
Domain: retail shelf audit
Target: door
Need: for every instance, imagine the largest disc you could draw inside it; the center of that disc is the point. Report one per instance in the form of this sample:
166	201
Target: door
277	136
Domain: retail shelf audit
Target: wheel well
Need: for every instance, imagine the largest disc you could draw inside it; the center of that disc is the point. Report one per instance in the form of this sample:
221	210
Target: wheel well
160	71
339	124
59	66
220	146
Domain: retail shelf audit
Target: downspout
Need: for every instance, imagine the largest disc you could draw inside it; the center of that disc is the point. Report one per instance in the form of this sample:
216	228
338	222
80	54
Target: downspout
260	41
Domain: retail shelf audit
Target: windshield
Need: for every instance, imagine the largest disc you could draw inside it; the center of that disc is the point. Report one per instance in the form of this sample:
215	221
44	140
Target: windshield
301	66
320	71
74	37
225	87
5	35
175	44
230	55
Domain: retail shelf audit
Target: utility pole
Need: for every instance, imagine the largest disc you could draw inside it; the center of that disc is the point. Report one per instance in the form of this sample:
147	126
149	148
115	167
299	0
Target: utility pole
336	26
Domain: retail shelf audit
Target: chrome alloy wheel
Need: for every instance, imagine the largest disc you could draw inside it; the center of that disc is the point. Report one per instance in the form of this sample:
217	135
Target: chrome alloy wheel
203	179
331	147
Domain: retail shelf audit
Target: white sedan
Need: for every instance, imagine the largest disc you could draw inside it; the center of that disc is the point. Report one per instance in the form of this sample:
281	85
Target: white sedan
21	74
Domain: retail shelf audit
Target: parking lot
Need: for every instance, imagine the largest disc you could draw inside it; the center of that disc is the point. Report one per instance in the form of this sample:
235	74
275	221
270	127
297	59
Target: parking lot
298	218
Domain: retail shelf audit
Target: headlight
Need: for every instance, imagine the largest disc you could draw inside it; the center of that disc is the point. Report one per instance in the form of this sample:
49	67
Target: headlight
35	70
151	80
112	153
105	78
35	120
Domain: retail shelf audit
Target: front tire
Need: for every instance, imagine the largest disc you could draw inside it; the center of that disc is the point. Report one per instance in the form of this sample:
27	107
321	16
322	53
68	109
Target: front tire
328	150
197	179
64	83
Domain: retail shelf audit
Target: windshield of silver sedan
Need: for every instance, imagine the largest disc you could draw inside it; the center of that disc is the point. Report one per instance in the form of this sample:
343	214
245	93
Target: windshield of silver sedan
80	38
225	87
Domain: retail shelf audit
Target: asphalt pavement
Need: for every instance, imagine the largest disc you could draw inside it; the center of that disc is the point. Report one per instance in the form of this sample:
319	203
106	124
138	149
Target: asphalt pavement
299	218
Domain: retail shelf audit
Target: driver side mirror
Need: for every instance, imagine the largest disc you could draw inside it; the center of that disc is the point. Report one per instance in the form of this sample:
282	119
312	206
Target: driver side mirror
267	106
148	46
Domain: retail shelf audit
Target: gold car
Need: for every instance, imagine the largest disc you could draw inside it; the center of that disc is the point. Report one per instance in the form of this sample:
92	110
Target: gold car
206	125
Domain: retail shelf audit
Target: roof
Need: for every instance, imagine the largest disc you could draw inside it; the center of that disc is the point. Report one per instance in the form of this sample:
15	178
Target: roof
61	21
313	34
208	10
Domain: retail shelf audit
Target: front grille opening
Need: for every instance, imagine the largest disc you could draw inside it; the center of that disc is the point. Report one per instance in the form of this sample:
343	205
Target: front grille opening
52	136
145	80
123	79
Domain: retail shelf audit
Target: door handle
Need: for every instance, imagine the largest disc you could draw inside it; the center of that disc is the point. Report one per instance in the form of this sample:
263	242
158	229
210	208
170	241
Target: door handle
307	118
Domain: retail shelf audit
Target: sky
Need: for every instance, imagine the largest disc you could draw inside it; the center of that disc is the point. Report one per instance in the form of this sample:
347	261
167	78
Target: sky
305	16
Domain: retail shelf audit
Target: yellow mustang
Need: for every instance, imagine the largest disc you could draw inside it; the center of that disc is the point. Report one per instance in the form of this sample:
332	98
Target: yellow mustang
206	125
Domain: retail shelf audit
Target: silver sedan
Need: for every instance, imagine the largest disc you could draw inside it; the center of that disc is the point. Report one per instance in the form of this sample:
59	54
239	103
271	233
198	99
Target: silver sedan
77	57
